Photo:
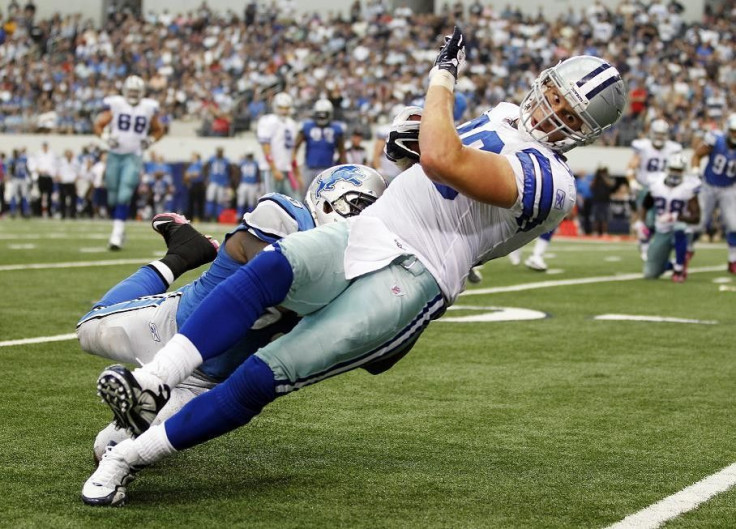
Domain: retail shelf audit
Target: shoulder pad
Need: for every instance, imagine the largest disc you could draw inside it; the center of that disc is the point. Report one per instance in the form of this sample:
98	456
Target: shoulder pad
277	216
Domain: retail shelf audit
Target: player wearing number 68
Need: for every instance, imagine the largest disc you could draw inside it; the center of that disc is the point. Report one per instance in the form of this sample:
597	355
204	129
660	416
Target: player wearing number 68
128	125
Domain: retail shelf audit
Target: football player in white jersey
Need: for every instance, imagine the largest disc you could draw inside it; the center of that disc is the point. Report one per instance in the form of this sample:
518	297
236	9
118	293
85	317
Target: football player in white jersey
277	133
129	124
673	197
649	159
368	287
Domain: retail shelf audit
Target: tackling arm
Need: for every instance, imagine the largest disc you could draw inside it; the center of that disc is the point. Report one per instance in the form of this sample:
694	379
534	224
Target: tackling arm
691	213
703	150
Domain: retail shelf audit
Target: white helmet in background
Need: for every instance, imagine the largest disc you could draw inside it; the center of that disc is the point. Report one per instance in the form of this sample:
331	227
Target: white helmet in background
343	191
659	133
594	90
283	104
134	88
731	129
676	167
323	112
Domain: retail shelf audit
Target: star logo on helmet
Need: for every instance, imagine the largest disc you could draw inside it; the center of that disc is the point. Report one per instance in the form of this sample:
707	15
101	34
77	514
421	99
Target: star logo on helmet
348	173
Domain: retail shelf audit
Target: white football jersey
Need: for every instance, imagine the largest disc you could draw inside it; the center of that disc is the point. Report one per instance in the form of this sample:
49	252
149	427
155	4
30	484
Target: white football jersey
280	133
450	232
652	160
388	169
669	202
130	124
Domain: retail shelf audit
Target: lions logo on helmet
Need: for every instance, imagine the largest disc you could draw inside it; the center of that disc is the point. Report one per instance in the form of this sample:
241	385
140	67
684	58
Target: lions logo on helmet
343	191
134	89
593	89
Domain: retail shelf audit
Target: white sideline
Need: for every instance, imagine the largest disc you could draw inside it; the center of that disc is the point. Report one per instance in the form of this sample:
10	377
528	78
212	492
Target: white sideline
76	264
581	281
40	339
681	502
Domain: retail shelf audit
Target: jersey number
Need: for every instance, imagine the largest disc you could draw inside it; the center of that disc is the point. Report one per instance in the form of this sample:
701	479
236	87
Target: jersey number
676	206
655	164
139	125
722	165
316	134
485	140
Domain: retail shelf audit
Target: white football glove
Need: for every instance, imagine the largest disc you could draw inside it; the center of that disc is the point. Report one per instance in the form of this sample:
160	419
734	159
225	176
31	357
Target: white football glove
111	141
147	142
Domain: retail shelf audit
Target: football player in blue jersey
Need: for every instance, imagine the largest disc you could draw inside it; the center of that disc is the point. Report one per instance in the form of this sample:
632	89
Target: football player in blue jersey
719	183
324	141
137	316
218	171
367	288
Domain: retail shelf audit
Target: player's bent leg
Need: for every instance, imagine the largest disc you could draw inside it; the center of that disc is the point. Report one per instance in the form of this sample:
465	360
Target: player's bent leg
658	255
109	436
107	486
379	315
132	331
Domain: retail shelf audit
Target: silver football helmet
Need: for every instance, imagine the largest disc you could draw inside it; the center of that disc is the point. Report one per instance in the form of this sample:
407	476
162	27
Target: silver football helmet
593	89
283	104
676	166
659	132
731	129
322	112
402	142
134	88
343	191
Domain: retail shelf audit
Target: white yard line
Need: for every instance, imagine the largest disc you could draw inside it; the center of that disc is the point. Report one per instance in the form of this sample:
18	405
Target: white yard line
681	502
40	339
580	281
76	264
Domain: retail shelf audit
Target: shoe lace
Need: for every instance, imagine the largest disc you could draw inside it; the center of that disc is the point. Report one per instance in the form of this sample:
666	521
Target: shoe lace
112	469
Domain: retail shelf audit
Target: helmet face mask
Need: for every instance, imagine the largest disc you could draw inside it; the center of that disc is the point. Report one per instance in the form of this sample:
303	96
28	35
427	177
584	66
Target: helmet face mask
323	112
593	92
134	89
676	166
283	104
343	191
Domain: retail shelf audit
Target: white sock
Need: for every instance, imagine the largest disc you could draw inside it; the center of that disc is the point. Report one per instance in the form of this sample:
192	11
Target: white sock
164	270
174	362
540	247
153	445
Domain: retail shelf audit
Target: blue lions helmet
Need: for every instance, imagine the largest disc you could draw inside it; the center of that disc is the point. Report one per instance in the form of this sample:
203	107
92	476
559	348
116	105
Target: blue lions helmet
343	191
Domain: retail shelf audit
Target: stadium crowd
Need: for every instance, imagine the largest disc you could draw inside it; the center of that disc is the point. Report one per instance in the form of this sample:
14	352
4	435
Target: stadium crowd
220	68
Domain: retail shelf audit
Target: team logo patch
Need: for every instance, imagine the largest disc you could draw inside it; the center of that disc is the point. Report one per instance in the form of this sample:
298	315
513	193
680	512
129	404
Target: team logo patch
347	173
560	199
154	331
396	290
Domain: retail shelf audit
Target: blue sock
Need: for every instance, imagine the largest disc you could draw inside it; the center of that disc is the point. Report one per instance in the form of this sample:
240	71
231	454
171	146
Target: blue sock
731	238
680	247
144	282
121	212
229	405
547	236
229	311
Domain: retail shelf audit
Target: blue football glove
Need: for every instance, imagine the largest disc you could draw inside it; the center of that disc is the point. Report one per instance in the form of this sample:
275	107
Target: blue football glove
452	55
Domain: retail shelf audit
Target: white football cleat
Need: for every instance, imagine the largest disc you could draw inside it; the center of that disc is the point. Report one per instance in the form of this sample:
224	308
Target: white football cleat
107	486
536	263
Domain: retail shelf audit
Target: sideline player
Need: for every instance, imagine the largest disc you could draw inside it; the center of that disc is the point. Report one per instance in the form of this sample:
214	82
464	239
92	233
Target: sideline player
133	127
373	284
276	133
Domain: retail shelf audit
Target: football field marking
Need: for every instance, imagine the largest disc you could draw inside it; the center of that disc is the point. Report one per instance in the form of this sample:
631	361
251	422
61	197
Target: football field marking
681	502
579	281
76	264
40	339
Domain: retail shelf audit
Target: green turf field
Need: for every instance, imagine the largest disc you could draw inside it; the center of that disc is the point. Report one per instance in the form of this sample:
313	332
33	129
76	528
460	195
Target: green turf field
560	422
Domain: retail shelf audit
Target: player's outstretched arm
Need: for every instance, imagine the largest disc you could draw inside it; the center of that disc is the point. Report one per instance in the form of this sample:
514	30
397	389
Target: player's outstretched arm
480	175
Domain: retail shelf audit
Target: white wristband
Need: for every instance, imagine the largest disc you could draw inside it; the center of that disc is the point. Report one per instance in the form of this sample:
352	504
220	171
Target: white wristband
444	78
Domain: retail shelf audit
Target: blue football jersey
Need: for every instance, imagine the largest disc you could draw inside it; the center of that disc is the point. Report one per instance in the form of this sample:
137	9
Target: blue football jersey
219	170
321	143
721	168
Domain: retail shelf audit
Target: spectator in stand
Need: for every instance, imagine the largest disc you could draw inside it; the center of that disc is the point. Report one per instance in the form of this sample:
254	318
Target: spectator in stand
194	180
67	174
